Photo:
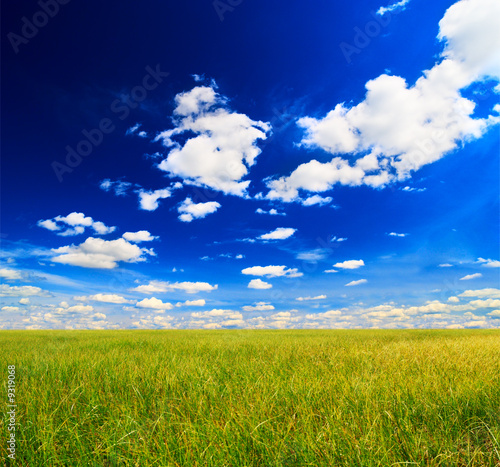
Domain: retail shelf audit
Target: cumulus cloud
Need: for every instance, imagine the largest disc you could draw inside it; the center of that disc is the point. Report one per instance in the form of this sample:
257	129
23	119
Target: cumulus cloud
350	264
100	254
104	298
10	308
394	234
10	274
281	233
154	304
139	236
399	128
271	271
489	263
74	224
24	301
200	302
188	287
482	293
271	212
21	291
260	306
259	284
189	211
318	297
221	145
148	200
316	200
469	277
352	283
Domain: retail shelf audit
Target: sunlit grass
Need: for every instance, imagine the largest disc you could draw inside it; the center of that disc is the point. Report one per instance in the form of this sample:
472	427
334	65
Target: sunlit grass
255	398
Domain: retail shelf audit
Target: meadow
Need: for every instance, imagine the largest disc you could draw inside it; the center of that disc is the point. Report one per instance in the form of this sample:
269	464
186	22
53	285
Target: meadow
254	398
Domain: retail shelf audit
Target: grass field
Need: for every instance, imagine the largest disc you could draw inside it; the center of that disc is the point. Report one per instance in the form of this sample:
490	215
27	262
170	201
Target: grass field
254	398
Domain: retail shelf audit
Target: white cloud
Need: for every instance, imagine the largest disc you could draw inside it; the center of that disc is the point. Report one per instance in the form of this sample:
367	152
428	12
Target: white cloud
223	147
313	255
188	287
21	291
351	264
481	293
471	276
119	187
361	281
148	200
316	200
489	263
200	302
10	308
330	271
74	224
259	284
24	301
10	274
66	309
271	212
154	304
399	128
100	254
218	313
139	236
105	298
494	314
446	265
394	234
318	297
271	271
261	306
281	233
390	8
133	129
189	211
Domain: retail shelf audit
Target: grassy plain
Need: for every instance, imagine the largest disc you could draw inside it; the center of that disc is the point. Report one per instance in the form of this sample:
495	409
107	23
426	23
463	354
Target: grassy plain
254	398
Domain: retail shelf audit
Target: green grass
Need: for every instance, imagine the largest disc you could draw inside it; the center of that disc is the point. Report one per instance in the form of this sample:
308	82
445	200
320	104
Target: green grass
254	398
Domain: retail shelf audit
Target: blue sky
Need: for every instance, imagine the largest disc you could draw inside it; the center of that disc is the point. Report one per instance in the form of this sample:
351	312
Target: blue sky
243	165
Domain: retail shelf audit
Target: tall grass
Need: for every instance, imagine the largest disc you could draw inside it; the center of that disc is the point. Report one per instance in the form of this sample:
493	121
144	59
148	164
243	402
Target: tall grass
254	398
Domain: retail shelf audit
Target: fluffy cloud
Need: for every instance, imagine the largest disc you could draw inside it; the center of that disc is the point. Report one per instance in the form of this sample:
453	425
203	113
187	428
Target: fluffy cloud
261	306
189	211
351	264
74	224
489	263
399	128
394	234
100	254
218	313
105	298
352	283
316	200
188	287
21	291
318	297
154	304
259	284
481	293
10	274
200	302
469	277
10	308
271	212
271	271
223	147
24	301
281	233
140	236
148	200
